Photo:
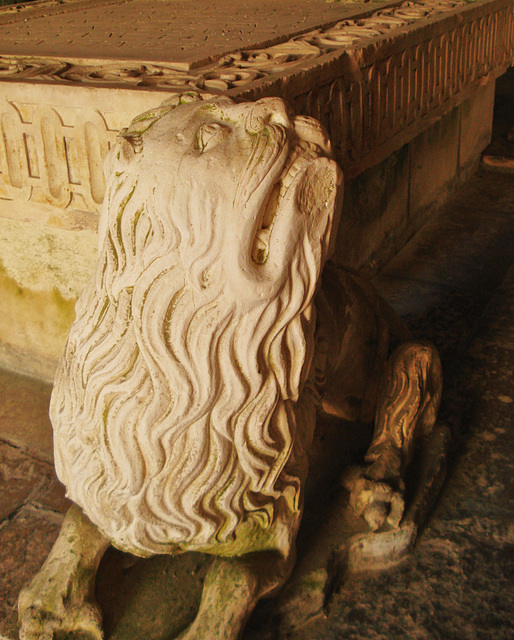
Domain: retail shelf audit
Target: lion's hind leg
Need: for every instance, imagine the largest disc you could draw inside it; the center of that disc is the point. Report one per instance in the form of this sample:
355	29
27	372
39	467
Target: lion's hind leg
408	401
59	599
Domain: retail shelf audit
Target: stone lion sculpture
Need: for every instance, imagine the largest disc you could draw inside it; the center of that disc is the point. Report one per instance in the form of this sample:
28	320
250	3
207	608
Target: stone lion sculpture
186	398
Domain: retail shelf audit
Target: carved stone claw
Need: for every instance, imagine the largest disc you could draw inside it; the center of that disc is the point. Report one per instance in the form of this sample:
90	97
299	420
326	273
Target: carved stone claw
378	502
48	620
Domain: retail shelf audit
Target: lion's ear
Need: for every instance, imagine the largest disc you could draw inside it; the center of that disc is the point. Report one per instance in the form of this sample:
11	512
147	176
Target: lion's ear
320	198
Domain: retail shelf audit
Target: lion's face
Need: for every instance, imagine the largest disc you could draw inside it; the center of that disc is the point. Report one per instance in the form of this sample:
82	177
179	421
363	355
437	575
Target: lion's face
264	174
173	405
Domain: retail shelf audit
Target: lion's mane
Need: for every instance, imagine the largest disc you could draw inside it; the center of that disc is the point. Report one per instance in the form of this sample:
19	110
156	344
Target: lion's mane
157	458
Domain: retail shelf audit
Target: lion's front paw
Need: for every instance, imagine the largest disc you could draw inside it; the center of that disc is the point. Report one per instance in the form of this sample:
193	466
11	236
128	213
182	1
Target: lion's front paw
379	502
49	614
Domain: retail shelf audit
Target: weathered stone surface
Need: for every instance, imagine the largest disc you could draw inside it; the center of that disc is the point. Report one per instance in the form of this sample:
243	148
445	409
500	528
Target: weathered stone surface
190	34
440	255
24	545
39	292
457	582
376	205
122	580
61	260
434	165
33	328
25	480
185	402
287	70
20	476
348	73
489	192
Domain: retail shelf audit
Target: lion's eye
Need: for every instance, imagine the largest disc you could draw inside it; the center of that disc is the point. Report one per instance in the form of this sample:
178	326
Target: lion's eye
209	135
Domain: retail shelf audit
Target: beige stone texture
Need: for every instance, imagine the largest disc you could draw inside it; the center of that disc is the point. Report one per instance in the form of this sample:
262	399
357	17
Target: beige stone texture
87	81
42	258
47	253
54	141
223	215
49	211
42	271
184	405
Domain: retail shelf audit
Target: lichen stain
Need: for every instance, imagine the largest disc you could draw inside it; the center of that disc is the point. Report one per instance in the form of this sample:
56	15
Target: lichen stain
35	322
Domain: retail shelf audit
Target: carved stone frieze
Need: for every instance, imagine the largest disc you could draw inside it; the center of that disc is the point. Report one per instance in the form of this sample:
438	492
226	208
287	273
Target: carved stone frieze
51	162
379	94
52	151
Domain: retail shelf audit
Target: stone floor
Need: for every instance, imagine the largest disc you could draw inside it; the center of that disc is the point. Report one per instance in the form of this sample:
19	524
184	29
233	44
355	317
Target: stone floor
454	283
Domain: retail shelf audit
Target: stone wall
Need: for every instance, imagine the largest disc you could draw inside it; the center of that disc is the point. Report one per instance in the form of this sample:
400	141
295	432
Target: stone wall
51	188
386	204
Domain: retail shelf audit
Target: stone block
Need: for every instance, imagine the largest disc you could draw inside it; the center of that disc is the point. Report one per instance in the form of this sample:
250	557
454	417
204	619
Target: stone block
434	167
375	213
63	99
51	189
475	128
42	271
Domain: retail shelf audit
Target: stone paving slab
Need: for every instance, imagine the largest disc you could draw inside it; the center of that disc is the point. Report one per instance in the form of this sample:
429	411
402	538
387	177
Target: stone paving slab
22	477
440	253
186	32
24	420
491	192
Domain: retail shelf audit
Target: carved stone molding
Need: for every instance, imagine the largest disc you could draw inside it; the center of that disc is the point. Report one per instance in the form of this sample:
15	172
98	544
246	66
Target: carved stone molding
235	70
57	161
376	96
